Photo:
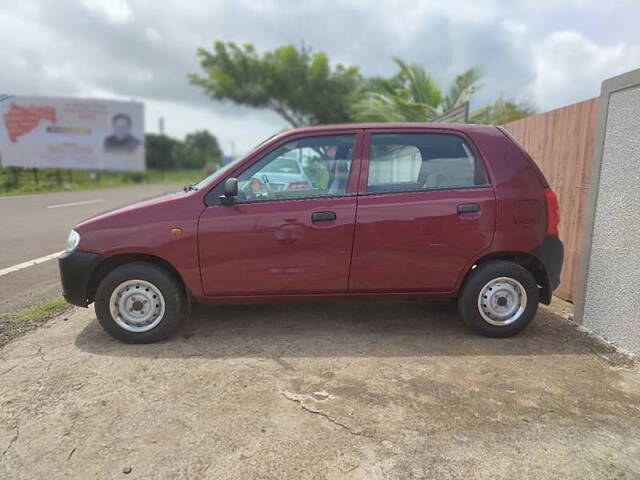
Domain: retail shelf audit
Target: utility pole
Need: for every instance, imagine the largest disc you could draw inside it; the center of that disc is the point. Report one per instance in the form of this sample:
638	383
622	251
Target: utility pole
161	125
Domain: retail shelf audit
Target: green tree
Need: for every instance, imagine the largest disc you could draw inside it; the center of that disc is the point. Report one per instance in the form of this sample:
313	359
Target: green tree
161	152
502	111
299	86
199	149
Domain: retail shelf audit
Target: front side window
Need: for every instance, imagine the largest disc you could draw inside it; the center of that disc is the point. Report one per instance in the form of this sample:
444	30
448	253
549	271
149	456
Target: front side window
408	162
302	168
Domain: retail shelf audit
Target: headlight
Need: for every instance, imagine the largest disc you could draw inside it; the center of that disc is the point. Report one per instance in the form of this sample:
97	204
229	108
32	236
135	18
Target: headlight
72	241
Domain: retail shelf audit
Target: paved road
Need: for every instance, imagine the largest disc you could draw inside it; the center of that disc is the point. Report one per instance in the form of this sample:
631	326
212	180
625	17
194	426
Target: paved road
34	226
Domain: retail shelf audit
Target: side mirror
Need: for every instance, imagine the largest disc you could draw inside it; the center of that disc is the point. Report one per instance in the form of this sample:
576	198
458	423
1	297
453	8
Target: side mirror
230	191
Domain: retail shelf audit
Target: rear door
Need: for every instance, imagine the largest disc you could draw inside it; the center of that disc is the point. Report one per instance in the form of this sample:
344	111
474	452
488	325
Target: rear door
290	231
425	210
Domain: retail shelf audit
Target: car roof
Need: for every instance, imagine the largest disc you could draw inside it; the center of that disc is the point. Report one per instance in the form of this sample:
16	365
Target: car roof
463	127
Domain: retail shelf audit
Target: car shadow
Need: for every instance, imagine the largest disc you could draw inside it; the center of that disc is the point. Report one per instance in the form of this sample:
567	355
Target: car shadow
341	329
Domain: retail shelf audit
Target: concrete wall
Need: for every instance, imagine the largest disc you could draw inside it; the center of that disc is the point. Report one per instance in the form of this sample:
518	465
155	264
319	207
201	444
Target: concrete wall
608	298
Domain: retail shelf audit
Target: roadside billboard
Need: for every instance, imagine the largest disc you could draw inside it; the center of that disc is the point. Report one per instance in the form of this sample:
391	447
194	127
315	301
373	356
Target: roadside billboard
78	133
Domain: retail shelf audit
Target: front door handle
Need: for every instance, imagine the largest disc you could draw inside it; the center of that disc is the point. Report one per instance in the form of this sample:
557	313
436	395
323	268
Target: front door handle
468	208
323	216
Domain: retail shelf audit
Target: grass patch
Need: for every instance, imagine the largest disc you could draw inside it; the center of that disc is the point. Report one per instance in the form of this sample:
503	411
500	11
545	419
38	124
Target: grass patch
14	324
21	181
41	311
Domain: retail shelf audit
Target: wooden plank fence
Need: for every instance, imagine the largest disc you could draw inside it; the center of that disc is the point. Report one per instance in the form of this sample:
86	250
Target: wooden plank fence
561	143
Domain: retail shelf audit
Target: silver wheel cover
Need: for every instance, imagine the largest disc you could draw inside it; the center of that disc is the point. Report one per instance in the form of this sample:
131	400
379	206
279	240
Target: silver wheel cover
137	306
502	301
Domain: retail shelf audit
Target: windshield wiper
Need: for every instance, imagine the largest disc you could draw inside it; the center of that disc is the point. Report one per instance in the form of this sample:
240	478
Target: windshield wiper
190	187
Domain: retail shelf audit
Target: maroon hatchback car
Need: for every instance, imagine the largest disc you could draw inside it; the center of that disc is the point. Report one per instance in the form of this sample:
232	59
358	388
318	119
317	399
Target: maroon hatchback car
348	211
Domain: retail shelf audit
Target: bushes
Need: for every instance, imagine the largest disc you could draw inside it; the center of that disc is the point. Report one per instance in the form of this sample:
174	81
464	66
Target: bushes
197	150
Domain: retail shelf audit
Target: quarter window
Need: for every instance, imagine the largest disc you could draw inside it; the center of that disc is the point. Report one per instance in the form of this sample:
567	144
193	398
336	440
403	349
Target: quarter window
421	161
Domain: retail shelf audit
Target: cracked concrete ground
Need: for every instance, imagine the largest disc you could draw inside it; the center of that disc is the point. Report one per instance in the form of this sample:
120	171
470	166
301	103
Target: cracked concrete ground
356	390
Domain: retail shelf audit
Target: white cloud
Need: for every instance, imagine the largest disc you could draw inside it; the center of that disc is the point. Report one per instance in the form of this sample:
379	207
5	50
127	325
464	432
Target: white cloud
570	67
517	29
152	36
117	12
553	53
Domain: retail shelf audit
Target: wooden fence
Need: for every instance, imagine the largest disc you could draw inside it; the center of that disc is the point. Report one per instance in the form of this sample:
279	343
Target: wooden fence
561	143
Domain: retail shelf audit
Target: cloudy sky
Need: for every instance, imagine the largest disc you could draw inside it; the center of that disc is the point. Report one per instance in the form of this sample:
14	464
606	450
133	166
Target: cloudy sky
551	53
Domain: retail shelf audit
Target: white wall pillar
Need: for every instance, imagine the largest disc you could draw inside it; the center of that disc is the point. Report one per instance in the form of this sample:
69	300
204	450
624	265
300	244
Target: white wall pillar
608	295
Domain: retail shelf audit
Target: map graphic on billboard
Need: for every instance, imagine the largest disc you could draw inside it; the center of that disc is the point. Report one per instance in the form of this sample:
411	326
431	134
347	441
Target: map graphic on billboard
58	132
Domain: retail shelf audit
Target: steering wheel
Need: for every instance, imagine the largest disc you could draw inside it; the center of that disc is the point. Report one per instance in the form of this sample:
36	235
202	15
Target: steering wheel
267	186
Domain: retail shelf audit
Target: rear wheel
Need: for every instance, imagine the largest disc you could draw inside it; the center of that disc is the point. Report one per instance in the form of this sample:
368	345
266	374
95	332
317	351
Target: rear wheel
498	299
139	303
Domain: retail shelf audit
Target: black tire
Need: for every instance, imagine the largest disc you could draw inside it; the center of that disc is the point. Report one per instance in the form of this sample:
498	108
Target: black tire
479	277
172	291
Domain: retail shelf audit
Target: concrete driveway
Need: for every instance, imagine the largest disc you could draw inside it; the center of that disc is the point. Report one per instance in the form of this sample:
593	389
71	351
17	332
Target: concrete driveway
338	390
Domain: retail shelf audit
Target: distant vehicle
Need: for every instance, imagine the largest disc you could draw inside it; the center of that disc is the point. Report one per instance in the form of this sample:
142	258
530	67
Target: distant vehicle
394	211
284	174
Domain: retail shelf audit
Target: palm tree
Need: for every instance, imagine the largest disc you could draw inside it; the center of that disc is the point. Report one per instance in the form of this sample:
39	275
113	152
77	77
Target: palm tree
412	95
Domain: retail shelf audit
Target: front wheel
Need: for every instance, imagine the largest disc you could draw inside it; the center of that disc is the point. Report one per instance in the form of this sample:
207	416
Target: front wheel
498	299
139	303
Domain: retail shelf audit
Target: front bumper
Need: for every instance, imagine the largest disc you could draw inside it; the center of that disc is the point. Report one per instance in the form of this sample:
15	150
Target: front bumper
76	269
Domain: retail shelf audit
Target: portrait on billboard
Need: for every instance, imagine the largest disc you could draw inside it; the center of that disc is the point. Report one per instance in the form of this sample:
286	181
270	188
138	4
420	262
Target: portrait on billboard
121	140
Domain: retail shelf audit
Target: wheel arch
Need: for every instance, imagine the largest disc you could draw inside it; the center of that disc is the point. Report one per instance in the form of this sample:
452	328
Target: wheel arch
532	263
111	263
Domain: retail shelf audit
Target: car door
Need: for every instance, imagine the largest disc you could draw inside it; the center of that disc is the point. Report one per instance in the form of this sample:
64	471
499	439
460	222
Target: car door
290	230
425	210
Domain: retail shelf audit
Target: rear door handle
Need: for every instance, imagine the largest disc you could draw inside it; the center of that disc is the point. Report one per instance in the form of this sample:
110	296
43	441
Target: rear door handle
468	208
323	216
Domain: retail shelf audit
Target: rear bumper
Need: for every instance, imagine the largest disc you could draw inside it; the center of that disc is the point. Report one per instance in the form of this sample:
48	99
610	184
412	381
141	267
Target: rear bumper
551	254
76	269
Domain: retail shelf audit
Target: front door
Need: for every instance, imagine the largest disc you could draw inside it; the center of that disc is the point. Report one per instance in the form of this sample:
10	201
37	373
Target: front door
290	229
425	211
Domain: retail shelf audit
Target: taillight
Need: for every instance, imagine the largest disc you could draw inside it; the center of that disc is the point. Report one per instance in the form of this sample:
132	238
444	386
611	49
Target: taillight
298	185
553	211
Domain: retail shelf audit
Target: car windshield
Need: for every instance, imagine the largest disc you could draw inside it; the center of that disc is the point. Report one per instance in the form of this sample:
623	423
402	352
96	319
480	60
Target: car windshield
282	165
220	172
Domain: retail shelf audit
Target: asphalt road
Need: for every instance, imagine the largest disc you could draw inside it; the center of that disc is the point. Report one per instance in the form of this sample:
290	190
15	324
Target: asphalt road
34	226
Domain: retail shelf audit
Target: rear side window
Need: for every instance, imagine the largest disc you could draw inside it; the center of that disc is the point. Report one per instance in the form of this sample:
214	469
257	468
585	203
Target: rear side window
405	162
